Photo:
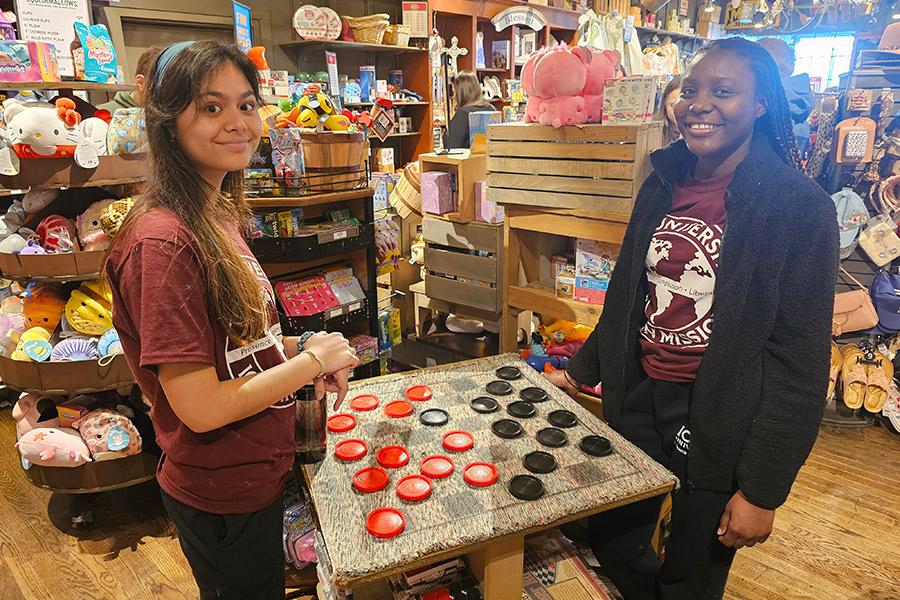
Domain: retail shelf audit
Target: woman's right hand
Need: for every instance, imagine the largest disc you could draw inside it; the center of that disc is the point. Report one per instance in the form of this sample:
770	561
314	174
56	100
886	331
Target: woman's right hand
333	350
559	378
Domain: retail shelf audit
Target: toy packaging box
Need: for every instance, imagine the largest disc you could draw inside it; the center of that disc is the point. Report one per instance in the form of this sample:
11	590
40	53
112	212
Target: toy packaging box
306	297
28	61
629	100
594	264
478	124
384	160
94	54
487	211
437	192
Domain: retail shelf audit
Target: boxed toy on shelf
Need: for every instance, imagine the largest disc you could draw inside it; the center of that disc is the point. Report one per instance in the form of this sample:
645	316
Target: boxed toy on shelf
334	292
594	264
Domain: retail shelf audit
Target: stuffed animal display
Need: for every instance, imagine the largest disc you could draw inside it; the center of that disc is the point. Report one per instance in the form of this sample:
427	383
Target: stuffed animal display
33	411
56	234
29	320
108	434
53	447
565	85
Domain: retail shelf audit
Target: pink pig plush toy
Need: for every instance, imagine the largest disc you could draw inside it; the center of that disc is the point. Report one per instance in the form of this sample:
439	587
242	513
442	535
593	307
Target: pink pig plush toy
53	447
565	85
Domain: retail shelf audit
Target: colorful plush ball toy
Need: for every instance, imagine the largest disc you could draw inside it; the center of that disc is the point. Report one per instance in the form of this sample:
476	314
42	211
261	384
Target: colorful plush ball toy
43	306
89	309
112	217
53	447
90	232
58	234
34	346
33	411
108	434
109	343
73	349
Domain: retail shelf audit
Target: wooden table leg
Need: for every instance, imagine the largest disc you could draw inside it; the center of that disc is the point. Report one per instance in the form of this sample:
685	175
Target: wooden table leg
499	568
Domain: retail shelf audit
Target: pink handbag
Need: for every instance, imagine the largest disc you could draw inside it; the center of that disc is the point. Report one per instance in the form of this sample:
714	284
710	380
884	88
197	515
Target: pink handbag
853	311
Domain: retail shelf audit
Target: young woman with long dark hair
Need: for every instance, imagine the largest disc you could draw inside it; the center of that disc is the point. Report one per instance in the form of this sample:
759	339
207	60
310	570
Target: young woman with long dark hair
198	324
713	346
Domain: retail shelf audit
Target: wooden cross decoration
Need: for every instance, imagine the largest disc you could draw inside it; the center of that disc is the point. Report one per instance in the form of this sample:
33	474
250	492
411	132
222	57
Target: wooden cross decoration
454	51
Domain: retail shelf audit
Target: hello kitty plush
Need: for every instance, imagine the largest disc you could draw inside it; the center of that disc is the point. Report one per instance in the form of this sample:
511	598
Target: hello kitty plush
42	131
602	68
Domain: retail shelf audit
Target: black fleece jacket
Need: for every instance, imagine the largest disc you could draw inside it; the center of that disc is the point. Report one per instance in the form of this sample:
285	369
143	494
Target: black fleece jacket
760	390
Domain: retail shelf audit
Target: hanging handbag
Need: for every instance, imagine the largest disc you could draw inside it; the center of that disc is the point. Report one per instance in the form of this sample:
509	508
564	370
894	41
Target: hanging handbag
885	294
853	311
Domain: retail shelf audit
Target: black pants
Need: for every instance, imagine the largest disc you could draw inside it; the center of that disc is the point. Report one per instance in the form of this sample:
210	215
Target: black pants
656	419
237	557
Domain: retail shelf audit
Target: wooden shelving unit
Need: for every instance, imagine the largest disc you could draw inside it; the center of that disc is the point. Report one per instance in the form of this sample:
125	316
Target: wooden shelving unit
75	86
339	45
529	234
358	251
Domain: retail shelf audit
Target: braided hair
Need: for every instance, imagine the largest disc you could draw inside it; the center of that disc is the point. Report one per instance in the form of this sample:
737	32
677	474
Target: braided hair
776	123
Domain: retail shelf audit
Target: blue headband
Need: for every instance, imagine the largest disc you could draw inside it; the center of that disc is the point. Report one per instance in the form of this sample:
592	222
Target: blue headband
166	58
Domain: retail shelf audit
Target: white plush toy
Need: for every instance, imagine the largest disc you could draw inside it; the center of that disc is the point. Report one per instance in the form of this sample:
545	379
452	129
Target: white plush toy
43	131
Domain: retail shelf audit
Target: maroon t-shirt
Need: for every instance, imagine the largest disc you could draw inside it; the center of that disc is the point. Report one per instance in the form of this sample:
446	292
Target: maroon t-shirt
681	271
161	313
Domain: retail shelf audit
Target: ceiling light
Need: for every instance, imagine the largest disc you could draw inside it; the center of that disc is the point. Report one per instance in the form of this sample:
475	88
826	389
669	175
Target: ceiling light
895	16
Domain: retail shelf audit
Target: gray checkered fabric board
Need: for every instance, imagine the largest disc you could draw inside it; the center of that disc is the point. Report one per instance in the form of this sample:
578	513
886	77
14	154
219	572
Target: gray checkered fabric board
457	514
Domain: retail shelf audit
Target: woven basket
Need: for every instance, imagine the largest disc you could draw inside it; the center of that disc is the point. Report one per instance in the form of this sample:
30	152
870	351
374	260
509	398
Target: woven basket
369	30
397	35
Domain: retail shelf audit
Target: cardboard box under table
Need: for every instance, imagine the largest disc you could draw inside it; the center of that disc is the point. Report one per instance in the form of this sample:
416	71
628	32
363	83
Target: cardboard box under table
487	524
597	168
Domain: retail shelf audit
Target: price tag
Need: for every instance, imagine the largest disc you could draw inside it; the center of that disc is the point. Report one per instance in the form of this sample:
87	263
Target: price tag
335	313
356	306
339	235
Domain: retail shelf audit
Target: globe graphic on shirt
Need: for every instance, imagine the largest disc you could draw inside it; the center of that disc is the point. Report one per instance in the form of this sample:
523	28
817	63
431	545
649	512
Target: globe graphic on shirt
682	278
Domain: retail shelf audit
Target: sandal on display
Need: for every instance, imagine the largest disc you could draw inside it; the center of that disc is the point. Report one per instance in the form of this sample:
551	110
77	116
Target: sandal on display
836	361
854	378
879	383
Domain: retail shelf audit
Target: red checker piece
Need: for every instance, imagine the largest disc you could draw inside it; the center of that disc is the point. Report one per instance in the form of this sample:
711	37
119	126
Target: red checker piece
392	457
370	479
398	409
385	522
458	441
365	402
419	393
414	488
351	450
480	474
437	467
341	423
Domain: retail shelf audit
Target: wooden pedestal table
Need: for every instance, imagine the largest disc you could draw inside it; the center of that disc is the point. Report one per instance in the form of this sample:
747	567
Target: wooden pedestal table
488	525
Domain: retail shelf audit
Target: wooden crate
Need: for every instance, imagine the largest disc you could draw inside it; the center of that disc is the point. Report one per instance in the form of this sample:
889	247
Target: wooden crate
596	168
468	168
443	240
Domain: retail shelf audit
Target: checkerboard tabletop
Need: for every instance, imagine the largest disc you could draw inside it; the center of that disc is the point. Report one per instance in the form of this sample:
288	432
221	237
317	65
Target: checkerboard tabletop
458	514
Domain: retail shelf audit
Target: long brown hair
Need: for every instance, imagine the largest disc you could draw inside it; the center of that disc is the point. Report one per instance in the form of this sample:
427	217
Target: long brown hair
233	292
467	90
670	129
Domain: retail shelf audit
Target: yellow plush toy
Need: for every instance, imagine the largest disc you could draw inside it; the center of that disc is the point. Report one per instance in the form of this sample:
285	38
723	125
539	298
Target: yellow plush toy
38	349
89	308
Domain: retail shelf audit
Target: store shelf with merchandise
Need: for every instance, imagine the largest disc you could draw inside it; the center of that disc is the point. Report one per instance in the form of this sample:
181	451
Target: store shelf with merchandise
342	45
79	189
292	258
75	86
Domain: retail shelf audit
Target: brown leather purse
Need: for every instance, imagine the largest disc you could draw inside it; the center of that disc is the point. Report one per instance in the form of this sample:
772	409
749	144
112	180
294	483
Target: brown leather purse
853	311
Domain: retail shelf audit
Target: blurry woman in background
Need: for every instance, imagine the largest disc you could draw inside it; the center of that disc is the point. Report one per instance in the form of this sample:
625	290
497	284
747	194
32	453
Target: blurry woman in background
469	99
665	114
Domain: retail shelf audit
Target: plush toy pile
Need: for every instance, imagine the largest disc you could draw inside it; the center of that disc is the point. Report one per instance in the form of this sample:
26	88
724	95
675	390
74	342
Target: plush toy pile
553	345
565	85
36	130
43	323
70	432
54	234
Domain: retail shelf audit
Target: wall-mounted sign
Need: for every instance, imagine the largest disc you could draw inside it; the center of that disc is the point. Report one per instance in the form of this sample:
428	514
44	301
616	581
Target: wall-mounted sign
243	30
53	22
415	14
523	16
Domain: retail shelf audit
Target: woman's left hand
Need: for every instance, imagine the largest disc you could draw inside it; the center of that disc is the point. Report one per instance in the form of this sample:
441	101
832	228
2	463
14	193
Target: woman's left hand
337	383
744	524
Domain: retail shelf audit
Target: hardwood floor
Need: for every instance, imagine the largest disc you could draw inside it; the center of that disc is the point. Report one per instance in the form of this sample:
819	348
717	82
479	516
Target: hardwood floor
837	537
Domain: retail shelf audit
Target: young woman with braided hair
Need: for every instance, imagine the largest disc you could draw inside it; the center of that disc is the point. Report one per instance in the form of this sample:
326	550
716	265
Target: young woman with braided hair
714	341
